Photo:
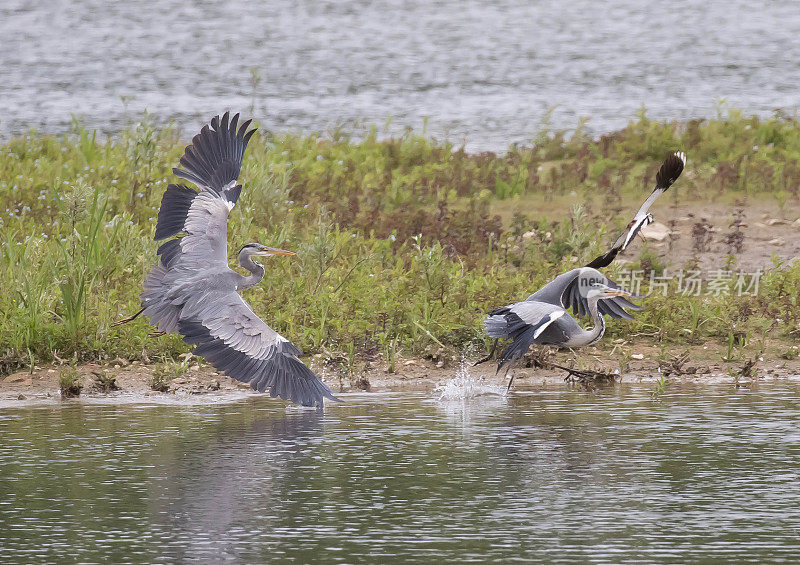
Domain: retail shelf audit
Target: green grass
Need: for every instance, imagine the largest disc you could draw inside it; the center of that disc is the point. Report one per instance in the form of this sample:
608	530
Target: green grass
403	244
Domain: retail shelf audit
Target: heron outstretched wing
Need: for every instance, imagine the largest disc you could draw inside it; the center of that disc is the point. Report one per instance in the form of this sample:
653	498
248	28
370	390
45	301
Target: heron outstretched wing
669	172
212	162
236	341
198	219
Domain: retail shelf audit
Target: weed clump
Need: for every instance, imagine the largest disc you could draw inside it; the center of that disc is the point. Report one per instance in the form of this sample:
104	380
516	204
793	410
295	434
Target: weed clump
69	383
165	373
734	239
791	353
159	383
105	382
701	236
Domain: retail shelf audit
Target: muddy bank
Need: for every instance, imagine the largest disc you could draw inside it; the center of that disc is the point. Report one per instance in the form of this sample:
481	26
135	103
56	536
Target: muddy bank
199	383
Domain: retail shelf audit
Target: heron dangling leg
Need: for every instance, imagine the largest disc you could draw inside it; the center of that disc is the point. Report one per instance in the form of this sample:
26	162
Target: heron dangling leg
511	380
488	356
128	319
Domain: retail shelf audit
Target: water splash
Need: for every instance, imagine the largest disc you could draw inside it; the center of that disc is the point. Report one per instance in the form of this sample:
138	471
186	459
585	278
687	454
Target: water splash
464	385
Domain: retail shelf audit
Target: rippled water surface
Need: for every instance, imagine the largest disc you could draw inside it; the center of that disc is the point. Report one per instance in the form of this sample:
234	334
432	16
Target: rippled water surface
483	71
556	475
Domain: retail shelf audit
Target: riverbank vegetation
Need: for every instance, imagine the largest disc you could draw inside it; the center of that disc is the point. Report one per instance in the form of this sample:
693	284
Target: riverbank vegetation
402	244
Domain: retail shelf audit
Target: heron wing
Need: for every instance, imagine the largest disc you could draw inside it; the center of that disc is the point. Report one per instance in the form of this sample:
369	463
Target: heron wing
524	323
669	172
231	337
212	161
510	320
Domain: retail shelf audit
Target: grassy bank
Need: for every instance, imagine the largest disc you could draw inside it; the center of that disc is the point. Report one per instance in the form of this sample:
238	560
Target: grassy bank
402	244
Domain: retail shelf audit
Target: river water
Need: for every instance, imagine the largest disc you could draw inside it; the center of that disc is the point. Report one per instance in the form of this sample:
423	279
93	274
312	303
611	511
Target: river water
696	474
483	72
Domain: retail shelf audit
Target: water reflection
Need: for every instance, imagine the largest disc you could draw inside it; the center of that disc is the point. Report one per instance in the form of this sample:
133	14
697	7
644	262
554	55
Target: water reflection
238	465
559	475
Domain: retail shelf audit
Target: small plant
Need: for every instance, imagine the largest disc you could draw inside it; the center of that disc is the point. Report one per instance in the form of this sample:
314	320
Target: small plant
624	358
104	381
659	388
255	80
390	354
649	262
83	253
701	236
69	382
676	365
674	235
142	148
792	353
780	197
747	371
361	382
159	382
734	239
165	373
732	354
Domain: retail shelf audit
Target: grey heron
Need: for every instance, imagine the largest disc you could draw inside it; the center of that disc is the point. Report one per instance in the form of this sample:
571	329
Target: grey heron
193	292
534	321
542	318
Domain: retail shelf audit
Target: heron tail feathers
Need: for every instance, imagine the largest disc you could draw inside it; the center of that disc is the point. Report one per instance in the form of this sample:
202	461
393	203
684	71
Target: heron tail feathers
522	341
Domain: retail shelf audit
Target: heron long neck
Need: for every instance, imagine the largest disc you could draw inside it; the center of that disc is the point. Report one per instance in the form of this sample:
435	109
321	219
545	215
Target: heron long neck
588	337
256	270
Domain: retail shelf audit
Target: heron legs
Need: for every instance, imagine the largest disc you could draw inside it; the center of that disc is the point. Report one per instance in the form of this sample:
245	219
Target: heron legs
156	333
128	319
511	380
582	376
488	356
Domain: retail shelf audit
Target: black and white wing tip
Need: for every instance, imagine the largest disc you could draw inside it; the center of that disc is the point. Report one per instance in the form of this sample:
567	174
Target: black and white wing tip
670	170
214	158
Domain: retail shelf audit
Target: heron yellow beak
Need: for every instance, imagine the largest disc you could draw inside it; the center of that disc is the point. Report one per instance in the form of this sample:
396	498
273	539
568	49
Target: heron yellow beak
275	251
619	292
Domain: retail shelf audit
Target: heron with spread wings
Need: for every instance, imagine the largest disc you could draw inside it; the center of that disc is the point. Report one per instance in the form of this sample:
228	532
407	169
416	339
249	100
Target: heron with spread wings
542	318
194	293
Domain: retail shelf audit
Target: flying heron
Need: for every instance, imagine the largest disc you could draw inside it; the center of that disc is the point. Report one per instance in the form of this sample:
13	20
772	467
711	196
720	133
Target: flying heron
542	318
193	292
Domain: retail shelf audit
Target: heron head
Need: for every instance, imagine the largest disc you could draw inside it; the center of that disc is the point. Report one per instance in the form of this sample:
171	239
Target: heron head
601	290
259	250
